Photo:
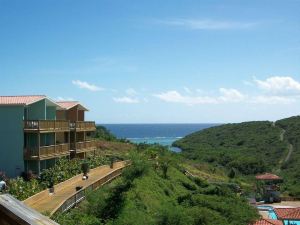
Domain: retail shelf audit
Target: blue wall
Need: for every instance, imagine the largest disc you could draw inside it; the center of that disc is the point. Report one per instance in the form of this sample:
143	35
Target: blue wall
40	111
50	113
37	111
11	140
12	135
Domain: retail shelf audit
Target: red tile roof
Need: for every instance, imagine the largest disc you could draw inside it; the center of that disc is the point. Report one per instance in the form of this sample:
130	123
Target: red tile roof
20	100
267	176
70	104
288	213
67	104
267	222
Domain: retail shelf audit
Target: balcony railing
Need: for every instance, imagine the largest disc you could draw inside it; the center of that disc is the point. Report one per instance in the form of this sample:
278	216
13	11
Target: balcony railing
84	146
46	125
46	151
58	125
86	125
83	125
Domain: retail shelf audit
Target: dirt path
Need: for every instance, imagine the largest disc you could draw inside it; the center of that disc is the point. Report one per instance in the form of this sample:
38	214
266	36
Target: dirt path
282	135
291	148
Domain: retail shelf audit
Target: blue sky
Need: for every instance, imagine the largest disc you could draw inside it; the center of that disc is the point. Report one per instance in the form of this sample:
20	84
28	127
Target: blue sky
156	61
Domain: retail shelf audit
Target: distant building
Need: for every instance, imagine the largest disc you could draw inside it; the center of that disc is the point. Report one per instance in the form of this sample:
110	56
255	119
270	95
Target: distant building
283	216
267	185
267	222
289	216
35	131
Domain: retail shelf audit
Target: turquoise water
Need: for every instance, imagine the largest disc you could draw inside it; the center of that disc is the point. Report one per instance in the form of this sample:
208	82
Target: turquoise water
291	222
272	215
270	209
167	141
164	134
265	207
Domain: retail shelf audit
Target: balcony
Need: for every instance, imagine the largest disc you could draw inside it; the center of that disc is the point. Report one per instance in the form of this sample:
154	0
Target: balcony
46	152
83	126
46	125
84	146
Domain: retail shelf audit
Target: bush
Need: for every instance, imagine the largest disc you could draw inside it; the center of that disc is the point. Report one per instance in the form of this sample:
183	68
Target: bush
103	133
22	189
63	169
172	216
138	167
231	173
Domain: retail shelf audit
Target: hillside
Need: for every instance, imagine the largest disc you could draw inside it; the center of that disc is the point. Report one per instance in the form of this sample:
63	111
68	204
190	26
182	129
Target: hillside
249	148
156	191
290	168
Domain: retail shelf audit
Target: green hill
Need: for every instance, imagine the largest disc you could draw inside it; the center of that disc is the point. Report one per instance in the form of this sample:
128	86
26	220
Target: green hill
157	191
249	148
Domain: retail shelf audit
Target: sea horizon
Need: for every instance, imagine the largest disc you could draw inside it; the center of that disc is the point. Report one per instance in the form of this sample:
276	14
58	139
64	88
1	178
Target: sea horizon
156	133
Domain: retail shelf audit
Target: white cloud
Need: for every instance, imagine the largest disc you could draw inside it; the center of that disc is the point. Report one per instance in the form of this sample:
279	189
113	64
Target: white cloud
127	100
207	24
272	100
231	95
131	92
86	85
176	97
226	95
279	85
59	98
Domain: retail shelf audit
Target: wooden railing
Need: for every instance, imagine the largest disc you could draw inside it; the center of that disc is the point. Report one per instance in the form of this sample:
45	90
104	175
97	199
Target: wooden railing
46	125
80	195
58	125
85	146
84	125
46	151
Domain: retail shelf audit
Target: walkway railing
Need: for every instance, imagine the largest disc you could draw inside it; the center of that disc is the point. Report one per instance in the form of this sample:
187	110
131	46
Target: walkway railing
80	195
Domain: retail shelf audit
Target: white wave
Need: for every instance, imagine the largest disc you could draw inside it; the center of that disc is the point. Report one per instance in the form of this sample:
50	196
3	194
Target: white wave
142	138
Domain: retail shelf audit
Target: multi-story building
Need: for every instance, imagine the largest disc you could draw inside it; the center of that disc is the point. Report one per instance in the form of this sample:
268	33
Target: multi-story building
35	131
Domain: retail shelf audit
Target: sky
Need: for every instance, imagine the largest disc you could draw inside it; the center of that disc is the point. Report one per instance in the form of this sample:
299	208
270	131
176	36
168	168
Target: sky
171	61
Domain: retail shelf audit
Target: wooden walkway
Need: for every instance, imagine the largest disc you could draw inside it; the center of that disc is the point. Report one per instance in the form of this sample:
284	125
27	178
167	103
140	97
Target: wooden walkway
45	203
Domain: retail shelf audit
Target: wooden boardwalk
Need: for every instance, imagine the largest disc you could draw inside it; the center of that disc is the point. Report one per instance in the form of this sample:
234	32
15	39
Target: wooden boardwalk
43	202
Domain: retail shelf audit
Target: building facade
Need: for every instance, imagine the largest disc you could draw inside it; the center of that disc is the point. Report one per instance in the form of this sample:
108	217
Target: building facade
35	131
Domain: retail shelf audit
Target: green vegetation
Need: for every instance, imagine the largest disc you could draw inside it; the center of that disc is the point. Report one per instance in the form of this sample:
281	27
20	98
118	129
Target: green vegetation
245	149
155	190
103	134
290	169
64	169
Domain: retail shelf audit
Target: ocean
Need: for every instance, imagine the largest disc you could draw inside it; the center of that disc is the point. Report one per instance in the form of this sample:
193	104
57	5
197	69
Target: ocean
164	134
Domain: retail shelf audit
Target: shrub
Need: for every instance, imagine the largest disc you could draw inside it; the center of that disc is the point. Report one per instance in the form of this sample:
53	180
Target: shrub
231	173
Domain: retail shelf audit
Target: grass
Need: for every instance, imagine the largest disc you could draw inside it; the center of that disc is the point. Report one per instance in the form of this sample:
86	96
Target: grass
148	193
